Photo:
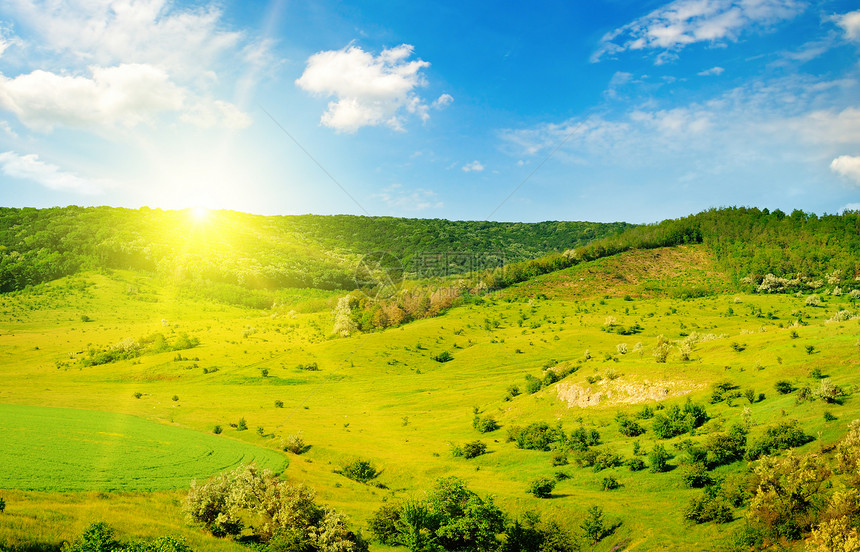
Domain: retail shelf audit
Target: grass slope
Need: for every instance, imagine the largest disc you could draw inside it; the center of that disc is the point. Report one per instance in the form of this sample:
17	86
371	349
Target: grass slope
61	449
381	396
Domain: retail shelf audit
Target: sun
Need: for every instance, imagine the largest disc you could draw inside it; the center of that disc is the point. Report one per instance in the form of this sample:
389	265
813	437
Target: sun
199	213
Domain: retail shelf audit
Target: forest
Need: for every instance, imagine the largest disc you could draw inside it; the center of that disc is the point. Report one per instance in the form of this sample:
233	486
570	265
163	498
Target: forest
257	252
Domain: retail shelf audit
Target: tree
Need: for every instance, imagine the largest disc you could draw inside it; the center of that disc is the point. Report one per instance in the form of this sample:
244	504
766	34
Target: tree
835	535
344	325
789	492
594	526
277	512
415	527
97	537
384	522
464	520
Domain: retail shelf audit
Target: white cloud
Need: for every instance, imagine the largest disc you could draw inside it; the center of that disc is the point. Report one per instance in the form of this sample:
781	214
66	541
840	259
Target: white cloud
619	79
443	101
713	71
106	62
106	32
847	166
419	199
7	128
127	94
850	23
368	90
211	113
29	167
474	166
762	122
684	22
850	207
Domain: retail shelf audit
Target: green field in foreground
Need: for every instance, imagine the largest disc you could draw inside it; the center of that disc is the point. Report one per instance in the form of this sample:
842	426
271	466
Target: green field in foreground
63	449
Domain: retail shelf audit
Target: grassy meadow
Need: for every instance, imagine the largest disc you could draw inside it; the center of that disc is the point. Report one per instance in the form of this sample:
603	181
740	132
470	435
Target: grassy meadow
382	397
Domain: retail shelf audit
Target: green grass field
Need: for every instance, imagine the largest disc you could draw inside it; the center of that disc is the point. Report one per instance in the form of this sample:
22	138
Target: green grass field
61	449
381	396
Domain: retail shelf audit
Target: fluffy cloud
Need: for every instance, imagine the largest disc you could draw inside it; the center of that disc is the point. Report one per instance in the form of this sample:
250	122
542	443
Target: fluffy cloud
847	166
685	22
106	32
107	62
29	167
126	94
368	90
850	23
474	166
713	71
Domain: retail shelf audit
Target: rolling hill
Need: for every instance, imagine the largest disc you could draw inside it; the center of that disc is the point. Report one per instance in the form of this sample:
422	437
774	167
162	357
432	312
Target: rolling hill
659	375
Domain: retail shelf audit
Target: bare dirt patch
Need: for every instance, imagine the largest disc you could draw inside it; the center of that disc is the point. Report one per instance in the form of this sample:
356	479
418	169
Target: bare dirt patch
621	391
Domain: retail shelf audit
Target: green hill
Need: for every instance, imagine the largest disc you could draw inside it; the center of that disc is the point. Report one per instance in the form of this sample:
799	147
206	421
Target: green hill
256	252
641	375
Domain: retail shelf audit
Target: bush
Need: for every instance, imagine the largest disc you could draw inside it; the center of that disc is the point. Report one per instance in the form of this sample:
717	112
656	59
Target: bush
384	523
593	527
242	425
97	537
533	384
279	404
470	450
610	483
291	518
217	430
783	387
359	470
827	391
707	507
789	491
444	356
485	424
294	444
627	426
679	420
541	487
2	505
659	459
559	458
725	448
719	390
636	464
695	475
605	459
646	413
778	437
536	436
581	438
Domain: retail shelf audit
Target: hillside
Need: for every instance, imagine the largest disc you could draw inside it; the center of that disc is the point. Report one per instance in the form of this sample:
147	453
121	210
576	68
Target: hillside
650	383
257	252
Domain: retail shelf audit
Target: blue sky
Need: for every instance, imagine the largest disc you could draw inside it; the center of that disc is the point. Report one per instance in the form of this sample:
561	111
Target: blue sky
603	110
